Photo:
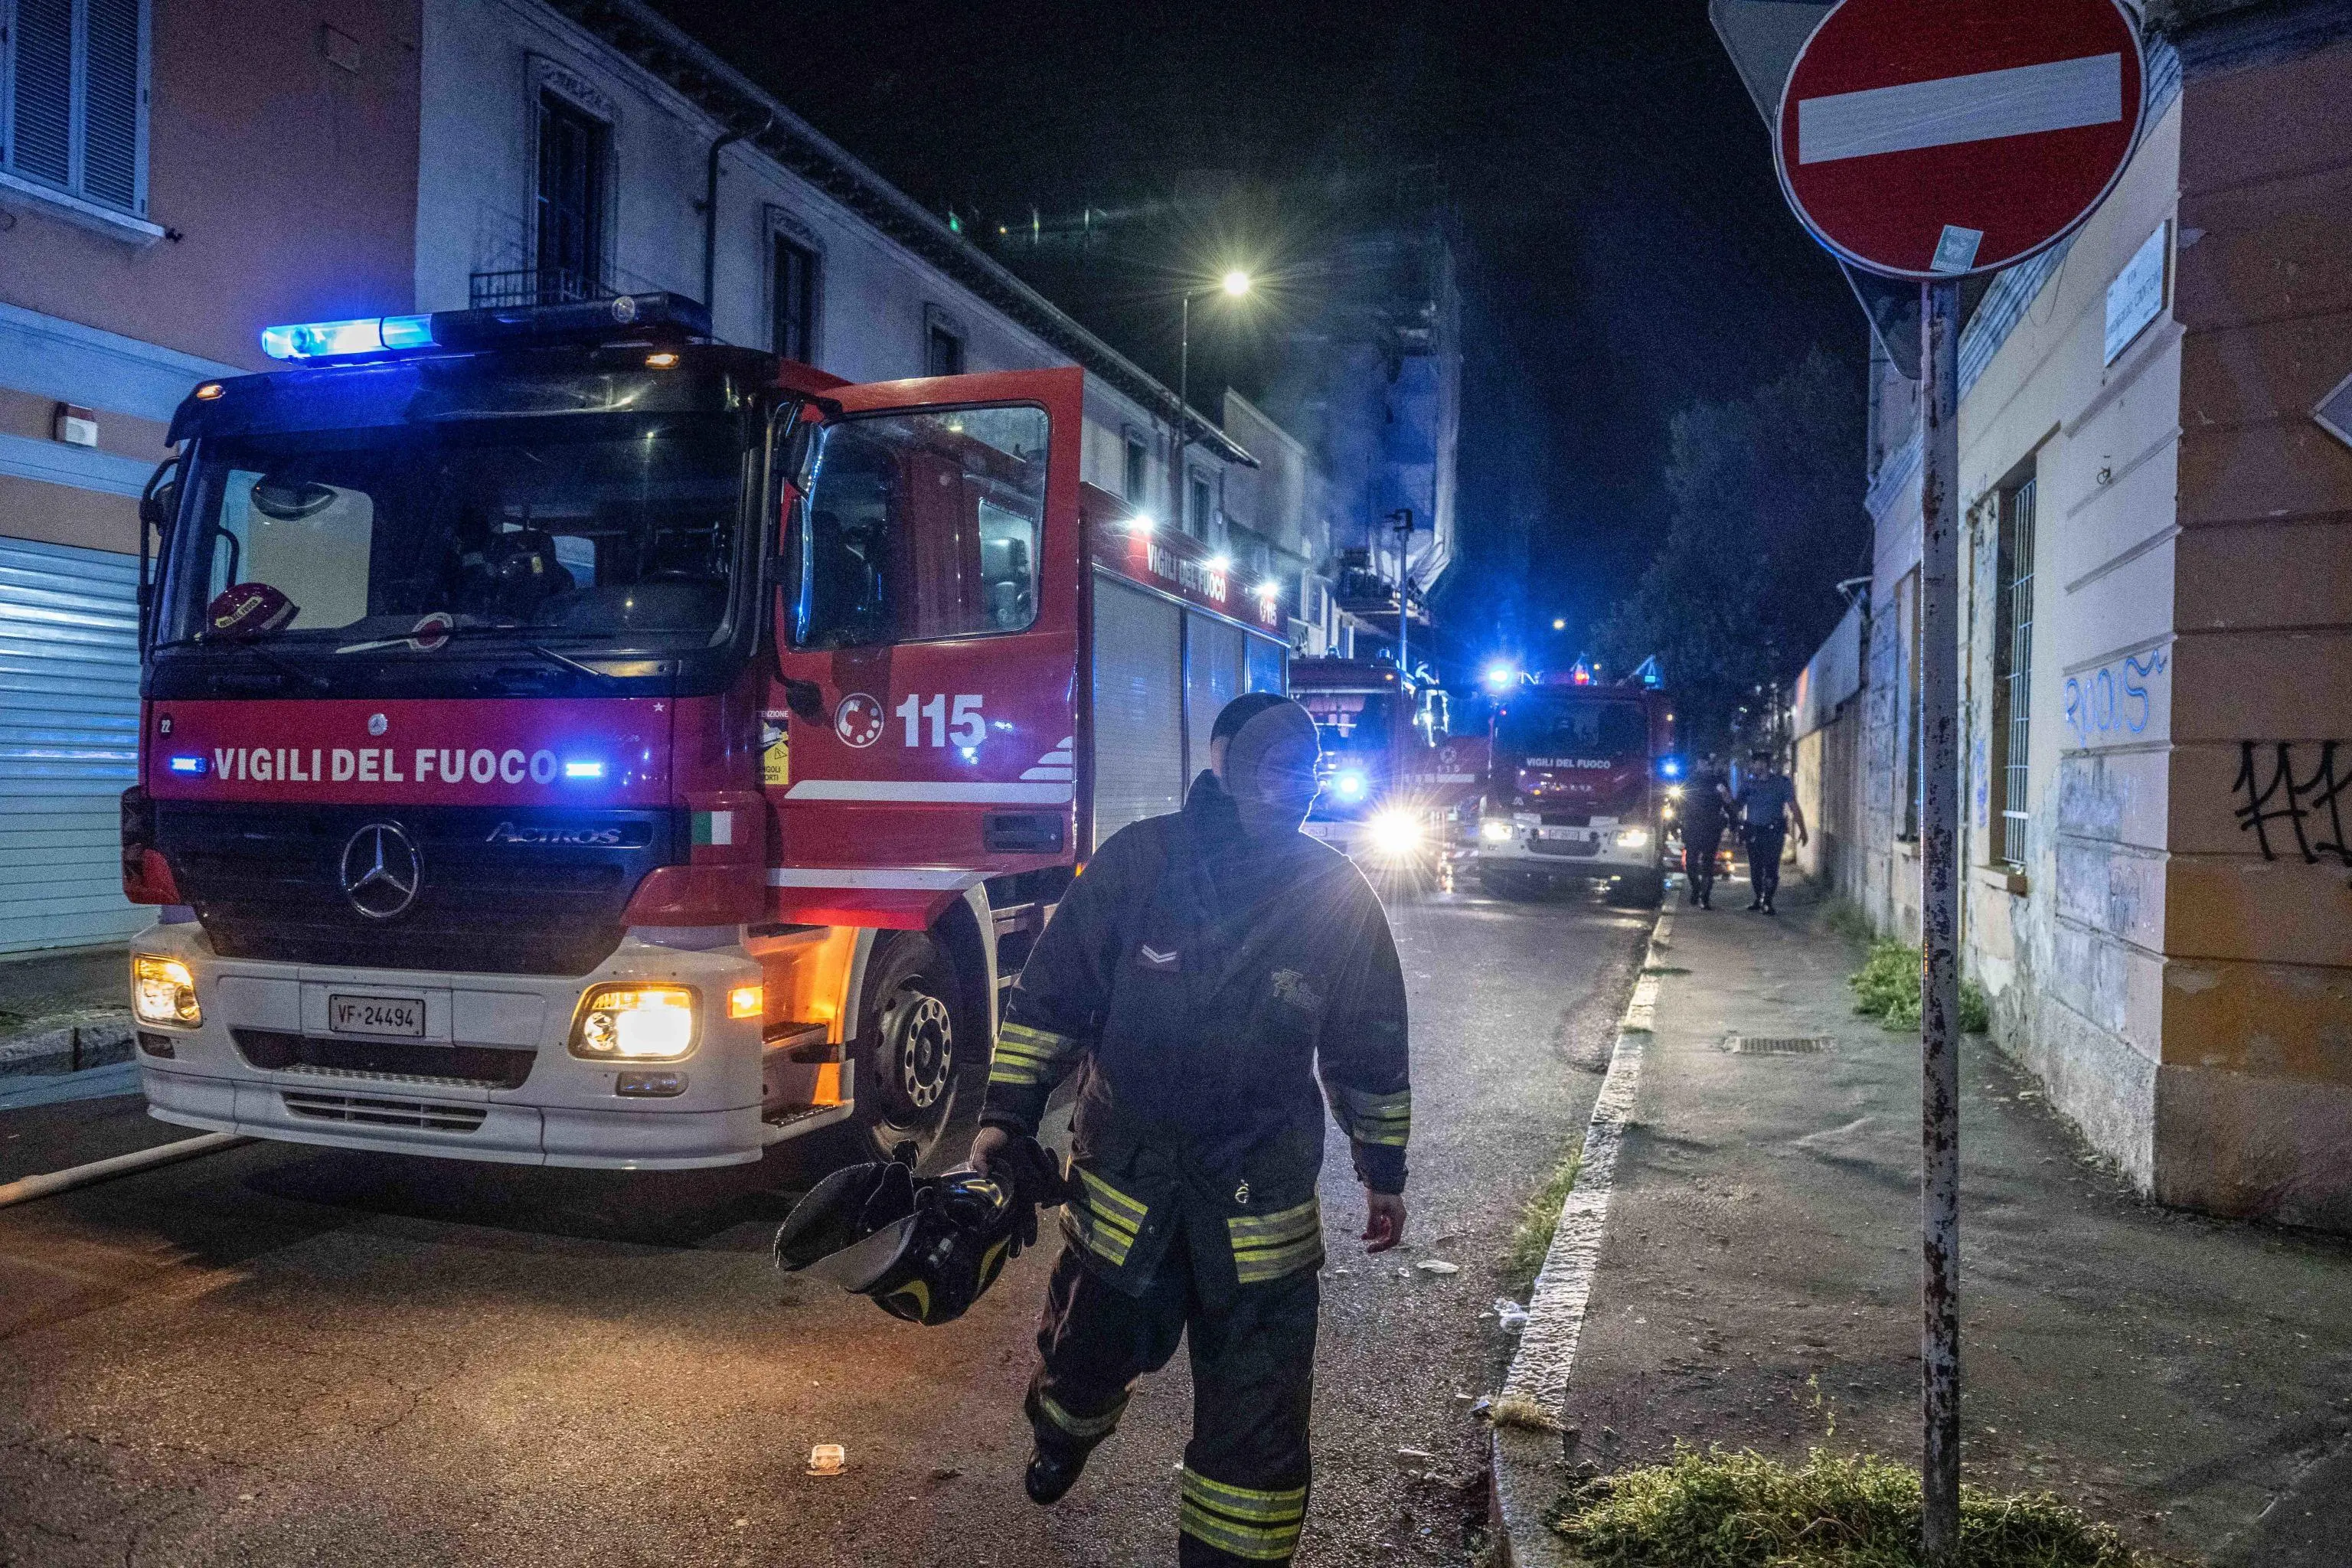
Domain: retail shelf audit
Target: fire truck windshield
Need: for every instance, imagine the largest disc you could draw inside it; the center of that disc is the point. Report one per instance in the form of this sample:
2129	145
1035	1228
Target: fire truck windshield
1353	722
581	531
1568	727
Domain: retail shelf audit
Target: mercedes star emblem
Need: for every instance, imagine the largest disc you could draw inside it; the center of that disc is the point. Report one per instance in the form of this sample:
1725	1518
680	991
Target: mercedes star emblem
380	870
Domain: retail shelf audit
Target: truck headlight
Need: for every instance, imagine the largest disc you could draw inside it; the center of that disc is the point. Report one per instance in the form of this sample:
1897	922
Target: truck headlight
1634	838
164	991
1495	830
1396	834
635	1023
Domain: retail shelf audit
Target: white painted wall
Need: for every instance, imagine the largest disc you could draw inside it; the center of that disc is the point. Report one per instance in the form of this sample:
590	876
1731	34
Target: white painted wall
475	194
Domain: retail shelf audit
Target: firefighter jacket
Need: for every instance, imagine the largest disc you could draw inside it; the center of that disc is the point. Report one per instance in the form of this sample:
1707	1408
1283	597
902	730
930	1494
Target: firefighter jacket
1198	983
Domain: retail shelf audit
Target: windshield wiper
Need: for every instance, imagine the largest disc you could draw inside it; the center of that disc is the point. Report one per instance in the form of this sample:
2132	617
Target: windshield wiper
539	650
310	677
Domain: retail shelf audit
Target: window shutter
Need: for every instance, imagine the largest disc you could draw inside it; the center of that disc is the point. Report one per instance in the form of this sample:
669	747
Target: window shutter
110	104
44	91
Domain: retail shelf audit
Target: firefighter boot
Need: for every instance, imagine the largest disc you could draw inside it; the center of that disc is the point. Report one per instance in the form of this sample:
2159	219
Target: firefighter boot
1052	1473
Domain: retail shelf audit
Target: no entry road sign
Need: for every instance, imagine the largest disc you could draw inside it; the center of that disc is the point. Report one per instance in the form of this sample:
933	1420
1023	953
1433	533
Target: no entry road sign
1938	138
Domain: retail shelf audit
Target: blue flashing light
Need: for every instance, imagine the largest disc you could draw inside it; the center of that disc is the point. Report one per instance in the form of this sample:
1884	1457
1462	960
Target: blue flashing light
372	334
1501	676
584	770
1670	767
194	766
1350	786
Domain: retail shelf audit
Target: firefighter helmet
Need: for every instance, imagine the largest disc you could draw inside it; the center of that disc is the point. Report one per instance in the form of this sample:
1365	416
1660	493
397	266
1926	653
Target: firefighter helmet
923	1248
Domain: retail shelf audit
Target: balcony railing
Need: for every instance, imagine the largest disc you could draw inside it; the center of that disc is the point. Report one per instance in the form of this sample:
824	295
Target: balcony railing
534	286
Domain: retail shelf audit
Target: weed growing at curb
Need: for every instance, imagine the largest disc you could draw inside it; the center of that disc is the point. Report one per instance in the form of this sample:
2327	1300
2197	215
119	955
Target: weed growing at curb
1843	916
1531	1238
1710	1508
1518	1410
1887	987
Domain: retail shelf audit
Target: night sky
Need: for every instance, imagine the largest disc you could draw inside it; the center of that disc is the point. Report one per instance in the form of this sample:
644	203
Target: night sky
1625	249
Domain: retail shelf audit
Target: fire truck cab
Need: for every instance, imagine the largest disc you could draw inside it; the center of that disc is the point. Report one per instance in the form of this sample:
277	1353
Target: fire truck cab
568	741
1574	788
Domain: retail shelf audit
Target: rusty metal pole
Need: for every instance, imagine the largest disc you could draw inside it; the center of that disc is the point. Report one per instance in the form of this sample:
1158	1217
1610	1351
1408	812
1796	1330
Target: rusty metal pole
1940	920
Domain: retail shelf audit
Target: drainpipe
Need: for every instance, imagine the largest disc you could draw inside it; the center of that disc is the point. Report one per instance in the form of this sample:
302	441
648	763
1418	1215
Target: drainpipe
710	209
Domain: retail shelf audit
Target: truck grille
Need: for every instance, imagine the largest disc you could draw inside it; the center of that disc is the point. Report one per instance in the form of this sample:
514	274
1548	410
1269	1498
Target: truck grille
493	897
377	1111
479	1067
1573	849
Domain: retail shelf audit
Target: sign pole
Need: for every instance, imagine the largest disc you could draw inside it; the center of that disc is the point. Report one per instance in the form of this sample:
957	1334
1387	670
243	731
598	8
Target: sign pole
1940	910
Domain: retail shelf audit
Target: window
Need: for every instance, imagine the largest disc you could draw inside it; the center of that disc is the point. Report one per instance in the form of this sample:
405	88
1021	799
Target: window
591	530
922	525
942	350
1136	471
1203	508
2012	674
794	305
574	168
1542	728
75	113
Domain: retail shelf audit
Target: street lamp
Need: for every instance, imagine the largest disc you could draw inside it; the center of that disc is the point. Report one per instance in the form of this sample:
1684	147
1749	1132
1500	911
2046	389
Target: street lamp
1235	285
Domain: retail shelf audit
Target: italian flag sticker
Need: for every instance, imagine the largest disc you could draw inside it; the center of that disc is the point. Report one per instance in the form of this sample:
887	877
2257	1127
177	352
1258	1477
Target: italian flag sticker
714	828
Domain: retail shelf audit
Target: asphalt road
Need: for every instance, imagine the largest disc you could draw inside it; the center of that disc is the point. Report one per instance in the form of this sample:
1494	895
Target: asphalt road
285	1355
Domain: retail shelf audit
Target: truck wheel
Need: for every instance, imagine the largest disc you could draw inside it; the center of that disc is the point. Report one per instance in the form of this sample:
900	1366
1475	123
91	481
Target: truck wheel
1505	885
907	1045
1640	890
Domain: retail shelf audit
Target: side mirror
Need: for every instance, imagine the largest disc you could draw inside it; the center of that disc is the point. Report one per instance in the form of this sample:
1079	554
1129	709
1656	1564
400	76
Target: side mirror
159	503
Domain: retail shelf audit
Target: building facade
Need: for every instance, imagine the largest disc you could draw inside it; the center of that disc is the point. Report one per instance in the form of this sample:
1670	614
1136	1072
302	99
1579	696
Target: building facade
176	174
2158	657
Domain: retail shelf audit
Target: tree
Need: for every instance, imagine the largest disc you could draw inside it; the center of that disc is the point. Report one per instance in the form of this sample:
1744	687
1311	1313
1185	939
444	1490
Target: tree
1766	517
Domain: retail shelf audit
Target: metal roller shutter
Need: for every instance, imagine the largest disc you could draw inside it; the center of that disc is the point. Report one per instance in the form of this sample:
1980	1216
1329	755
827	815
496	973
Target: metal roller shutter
1139	750
1215	673
68	742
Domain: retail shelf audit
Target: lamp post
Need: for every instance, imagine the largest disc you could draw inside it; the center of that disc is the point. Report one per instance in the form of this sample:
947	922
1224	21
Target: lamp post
1234	285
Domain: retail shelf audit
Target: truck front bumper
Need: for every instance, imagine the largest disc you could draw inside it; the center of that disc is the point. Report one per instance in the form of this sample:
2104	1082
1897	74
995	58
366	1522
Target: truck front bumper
1594	853
547	1107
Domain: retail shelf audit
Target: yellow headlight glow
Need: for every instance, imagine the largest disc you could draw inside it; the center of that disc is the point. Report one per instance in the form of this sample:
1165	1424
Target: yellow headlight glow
636	1023
164	991
747	1002
1495	830
1634	838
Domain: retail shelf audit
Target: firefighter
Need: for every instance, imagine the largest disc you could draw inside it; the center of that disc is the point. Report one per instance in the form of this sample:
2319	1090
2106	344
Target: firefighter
1200	977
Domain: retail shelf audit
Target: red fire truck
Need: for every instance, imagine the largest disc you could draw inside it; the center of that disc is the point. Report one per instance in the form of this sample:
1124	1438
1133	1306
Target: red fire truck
568	741
1394	778
1575	789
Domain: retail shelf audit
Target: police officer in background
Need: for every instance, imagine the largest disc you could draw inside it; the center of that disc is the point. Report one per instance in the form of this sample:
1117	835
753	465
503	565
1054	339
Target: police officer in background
1767	806
1200	977
1707	808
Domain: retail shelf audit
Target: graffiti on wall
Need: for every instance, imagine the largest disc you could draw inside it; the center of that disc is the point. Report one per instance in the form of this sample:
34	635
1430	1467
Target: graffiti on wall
2112	703
2310	808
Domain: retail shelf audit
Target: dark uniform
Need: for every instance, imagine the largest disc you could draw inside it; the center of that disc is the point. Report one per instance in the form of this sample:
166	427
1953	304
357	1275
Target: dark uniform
1704	814
1199	981
1764	803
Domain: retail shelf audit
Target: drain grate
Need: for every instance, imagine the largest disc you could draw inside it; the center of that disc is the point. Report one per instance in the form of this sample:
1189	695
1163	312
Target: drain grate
1777	1045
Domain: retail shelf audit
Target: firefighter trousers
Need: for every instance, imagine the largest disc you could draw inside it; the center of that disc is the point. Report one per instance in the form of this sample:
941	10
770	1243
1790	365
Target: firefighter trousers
1242	1488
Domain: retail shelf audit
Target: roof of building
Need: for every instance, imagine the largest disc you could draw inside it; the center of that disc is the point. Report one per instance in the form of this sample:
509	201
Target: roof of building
737	101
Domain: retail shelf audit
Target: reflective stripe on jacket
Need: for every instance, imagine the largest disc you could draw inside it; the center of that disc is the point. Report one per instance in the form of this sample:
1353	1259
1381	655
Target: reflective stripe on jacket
1199	1033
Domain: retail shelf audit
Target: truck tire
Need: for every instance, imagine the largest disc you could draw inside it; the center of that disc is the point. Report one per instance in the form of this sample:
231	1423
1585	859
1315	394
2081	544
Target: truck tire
907	1045
1640	890
1513	885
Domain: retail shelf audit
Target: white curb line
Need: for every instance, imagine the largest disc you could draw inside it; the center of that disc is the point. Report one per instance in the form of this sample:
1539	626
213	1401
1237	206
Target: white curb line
1547	1352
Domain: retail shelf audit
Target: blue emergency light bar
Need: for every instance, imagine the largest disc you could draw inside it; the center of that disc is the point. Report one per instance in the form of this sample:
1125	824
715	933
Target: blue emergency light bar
624	317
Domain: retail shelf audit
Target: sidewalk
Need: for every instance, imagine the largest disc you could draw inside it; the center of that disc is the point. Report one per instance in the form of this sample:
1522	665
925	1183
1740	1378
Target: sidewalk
2187	1380
63	1010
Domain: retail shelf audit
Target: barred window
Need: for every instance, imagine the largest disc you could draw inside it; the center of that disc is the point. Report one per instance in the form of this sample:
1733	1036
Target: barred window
2012	685
75	119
